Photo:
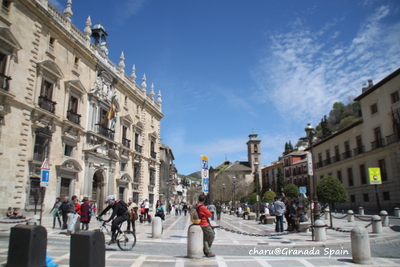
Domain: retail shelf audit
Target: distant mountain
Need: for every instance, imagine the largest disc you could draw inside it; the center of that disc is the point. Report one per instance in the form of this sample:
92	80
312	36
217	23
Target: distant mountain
192	176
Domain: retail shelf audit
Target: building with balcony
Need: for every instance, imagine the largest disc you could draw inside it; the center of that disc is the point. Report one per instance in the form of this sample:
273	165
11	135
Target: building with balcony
63	99
372	142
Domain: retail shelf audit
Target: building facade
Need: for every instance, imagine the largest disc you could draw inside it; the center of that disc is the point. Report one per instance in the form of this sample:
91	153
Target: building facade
372	142
62	99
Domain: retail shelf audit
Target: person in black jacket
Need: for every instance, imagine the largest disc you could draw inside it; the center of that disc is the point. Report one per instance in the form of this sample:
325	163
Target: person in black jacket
64	210
120	209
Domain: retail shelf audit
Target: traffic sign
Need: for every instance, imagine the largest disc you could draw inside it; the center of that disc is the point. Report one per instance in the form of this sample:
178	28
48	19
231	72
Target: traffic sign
303	190
375	176
45	165
204	174
45	178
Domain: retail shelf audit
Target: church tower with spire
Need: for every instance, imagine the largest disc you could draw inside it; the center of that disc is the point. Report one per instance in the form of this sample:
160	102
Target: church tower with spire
254	153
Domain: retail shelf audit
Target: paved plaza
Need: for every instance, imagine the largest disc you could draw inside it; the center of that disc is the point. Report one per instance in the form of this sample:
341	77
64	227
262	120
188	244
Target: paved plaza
238	243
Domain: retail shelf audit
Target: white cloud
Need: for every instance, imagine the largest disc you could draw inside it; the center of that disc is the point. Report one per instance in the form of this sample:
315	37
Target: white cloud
304	72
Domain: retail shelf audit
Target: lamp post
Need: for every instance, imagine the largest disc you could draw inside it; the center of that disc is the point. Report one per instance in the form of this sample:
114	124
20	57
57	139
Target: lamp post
309	136
256	180
234	188
223	193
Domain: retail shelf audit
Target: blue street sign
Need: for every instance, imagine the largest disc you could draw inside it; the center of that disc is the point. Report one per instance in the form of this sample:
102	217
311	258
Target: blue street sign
205	185
303	190
45	178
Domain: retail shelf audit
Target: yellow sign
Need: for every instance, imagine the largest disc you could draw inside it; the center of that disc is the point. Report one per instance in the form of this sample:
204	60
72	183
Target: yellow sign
375	176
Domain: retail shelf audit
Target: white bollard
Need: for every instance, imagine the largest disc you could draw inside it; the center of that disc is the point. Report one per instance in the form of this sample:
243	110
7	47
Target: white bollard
396	212
350	216
385	218
376	224
361	211
327	214
156	227
360	247
195	242
319	230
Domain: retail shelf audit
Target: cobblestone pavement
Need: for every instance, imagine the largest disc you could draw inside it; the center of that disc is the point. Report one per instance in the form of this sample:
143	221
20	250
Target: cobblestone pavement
262	248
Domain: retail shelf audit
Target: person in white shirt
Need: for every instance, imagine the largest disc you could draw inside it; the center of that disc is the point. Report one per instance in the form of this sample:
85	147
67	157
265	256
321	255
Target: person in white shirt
146	208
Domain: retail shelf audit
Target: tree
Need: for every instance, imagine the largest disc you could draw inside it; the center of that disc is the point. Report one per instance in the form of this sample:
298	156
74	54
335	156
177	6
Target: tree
253	198
329	190
291	191
281	181
269	196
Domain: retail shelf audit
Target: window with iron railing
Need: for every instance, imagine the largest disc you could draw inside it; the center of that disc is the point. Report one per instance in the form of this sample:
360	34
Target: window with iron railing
378	143
104	131
358	150
393	138
74	117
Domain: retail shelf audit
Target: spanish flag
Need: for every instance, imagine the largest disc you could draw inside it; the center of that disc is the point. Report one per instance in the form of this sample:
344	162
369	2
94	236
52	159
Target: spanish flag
111	112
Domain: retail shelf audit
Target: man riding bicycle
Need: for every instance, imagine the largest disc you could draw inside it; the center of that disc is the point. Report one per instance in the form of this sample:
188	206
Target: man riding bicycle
120	210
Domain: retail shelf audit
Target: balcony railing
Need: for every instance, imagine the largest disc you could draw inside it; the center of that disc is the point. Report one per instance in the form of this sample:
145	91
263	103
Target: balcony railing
126	142
336	158
358	150
346	155
74	117
4	82
138	148
392	138
153	154
47	104
104	131
319	165
378	143
327	161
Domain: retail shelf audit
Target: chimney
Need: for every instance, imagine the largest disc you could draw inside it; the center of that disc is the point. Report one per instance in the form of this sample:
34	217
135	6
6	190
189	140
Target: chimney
370	84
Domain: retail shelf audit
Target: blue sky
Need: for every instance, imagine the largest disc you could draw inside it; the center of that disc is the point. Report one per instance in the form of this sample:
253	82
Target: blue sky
229	68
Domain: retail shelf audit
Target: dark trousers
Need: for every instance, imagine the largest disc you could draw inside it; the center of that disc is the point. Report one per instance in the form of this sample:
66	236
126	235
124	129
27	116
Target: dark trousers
54	221
131	222
65	220
279	224
117	221
208	238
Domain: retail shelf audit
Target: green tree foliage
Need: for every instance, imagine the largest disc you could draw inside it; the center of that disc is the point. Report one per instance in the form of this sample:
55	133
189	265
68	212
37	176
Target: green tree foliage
253	198
291	191
269	196
281	181
330	190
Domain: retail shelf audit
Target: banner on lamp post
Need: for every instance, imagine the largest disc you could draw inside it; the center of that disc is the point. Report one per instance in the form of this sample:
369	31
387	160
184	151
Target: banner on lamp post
204	174
310	170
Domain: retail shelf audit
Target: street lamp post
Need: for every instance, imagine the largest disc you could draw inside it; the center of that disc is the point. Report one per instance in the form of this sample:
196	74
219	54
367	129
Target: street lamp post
256	180
234	188
223	193
310	135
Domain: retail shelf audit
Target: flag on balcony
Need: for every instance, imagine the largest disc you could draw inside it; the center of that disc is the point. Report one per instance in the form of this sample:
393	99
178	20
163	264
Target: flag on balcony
111	113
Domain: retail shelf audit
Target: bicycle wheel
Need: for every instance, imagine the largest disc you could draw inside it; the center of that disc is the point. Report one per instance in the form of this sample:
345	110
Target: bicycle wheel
106	232
126	240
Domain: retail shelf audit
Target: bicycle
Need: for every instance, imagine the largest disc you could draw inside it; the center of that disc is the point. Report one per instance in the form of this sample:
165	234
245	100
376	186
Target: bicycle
126	240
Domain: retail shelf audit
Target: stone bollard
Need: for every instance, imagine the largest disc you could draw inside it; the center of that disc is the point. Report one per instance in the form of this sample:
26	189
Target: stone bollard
385	218
87	249
361	211
27	246
396	212
327	214
319	230
350	216
156	227
376	224
195	242
360	247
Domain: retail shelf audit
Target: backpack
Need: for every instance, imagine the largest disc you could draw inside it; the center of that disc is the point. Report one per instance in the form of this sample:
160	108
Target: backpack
194	215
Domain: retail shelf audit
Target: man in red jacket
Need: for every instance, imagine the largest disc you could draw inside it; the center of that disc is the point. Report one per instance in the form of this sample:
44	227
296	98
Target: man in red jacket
208	231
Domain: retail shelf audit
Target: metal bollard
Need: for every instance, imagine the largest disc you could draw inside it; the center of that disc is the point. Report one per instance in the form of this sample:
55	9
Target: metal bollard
319	230
27	246
376	224
360	247
327	214
385	218
87	249
156	227
195	242
350	216
396	212
361	211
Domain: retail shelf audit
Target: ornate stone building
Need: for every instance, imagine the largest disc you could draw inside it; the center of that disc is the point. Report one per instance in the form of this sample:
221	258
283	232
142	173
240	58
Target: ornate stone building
62	99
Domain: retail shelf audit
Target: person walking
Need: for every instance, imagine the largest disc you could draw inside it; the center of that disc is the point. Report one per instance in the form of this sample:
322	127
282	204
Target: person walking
73	215
56	214
64	210
185	208
160	210
218	208
133	215
211	208
84	211
279	211
146	208
208	231
316	209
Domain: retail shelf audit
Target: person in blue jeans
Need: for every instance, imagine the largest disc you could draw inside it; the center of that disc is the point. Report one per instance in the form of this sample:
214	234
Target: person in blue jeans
279	211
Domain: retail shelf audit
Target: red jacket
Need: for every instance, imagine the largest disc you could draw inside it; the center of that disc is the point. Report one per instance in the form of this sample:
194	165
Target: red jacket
204	213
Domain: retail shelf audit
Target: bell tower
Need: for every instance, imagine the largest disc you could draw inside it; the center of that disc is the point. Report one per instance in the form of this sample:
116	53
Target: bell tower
99	35
254	152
